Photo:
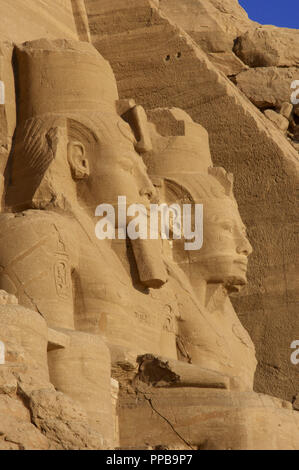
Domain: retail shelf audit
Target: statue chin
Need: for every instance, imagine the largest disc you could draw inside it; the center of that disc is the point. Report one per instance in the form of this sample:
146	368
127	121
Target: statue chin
233	279
235	282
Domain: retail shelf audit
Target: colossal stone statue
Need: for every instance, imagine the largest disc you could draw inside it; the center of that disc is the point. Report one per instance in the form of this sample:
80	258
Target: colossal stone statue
209	333
164	309
183	170
72	152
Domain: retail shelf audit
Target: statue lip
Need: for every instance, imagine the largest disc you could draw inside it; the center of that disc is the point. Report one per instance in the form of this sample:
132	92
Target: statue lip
242	260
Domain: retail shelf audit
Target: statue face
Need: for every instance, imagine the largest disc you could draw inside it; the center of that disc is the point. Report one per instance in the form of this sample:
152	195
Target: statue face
223	257
116	169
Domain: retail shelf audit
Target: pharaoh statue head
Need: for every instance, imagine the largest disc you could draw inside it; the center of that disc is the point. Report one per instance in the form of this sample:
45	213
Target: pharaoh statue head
71	143
182	168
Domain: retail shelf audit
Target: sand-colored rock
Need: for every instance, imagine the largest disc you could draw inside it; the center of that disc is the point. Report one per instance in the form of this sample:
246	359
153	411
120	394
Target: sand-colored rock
269	46
227	62
63	422
19	435
21	330
267	86
286	110
280	121
25	20
82	371
207	419
213	24
34	416
172	415
233	16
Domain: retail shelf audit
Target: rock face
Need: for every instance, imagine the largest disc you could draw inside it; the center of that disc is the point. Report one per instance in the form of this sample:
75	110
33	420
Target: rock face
24	20
280	121
267	87
228	63
33	414
268	46
147	343
213	24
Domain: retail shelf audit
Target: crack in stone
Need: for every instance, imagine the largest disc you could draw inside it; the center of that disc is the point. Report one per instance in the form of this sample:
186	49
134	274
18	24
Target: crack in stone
168	422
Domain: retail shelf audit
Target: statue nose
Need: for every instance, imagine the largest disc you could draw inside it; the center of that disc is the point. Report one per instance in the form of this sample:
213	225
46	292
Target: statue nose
244	247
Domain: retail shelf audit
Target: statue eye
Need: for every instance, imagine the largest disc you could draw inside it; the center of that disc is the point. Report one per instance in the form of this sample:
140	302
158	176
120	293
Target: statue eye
227	227
126	164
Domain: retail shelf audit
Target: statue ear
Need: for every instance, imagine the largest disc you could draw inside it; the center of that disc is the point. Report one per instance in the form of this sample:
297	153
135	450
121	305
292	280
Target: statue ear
78	162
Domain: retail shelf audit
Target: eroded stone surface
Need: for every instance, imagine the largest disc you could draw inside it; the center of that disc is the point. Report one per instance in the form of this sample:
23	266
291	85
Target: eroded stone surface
268	46
24	20
267	86
34	416
280	121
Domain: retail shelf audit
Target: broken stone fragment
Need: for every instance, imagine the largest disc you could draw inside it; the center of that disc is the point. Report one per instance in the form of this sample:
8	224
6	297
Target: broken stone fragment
280	121
267	87
227	62
57	339
286	110
268	46
162	372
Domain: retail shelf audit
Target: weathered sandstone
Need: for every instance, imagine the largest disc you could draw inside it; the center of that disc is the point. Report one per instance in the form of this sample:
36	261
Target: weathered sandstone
269	46
267	87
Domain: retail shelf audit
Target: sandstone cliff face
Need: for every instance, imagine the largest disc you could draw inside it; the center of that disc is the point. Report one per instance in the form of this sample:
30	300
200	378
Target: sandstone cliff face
23	21
214	26
267	87
268	46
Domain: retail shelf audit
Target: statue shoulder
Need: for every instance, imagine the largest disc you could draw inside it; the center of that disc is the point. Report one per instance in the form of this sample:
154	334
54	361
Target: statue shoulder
34	218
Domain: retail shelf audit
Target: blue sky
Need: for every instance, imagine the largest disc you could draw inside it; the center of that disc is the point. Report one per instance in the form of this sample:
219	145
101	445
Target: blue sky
277	12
